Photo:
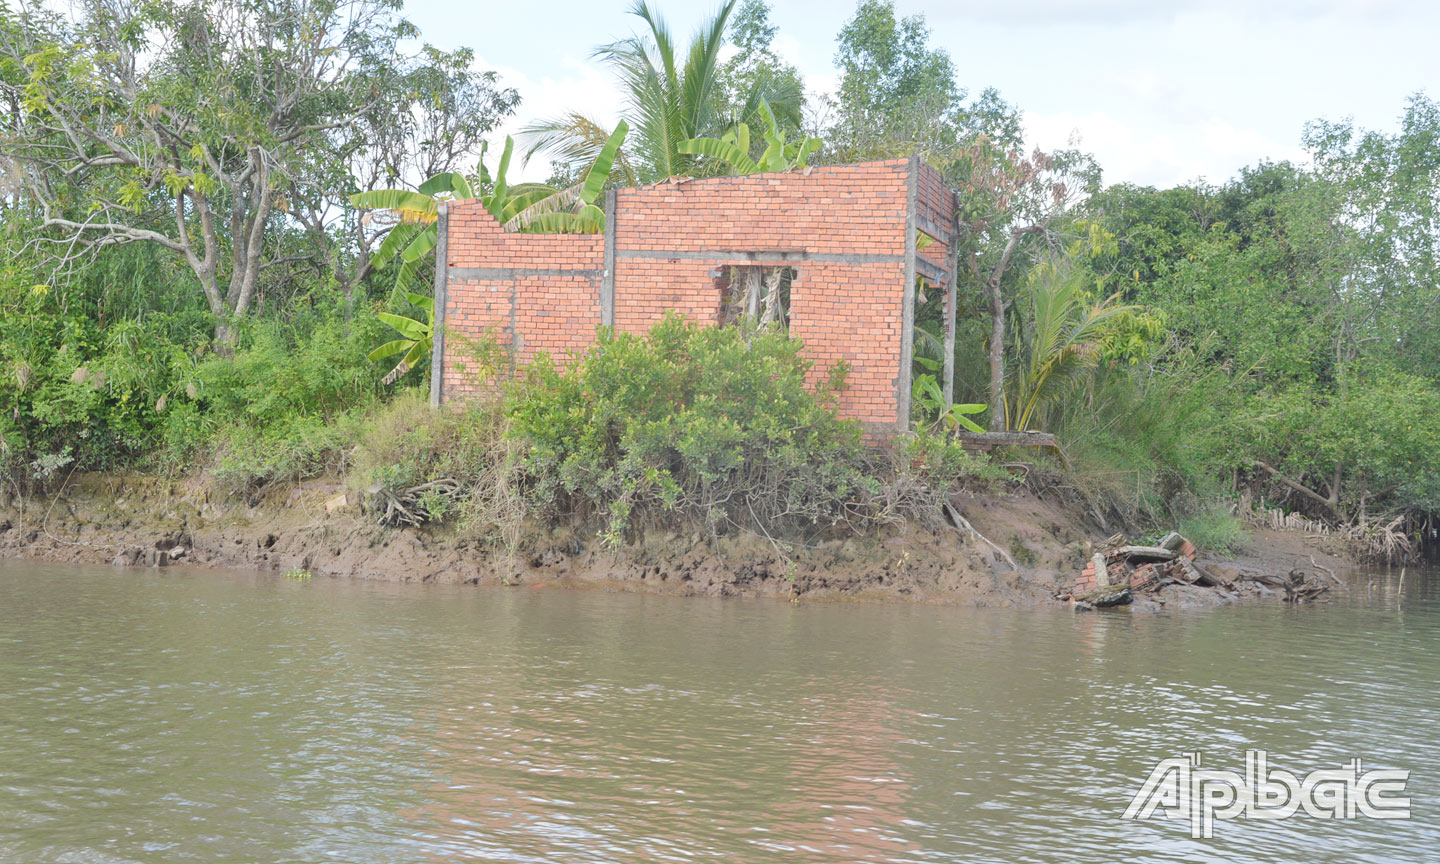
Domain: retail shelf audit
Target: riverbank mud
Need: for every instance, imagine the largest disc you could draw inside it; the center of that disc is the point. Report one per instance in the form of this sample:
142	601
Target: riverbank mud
1039	549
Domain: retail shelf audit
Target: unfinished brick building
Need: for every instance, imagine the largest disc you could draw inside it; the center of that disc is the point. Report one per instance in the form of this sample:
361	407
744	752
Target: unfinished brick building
846	236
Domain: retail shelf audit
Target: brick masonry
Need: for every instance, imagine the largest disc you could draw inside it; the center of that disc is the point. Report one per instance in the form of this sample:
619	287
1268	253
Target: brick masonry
846	230
1136	577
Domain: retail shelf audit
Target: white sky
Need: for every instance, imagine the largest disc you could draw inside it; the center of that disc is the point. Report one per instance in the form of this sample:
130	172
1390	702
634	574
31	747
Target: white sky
1161	91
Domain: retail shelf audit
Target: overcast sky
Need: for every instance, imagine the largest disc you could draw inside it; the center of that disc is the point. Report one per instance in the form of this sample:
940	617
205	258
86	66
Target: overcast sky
1162	91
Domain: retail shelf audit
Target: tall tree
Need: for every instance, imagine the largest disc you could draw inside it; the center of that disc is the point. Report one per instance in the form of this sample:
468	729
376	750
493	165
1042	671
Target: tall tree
193	124
898	95
1010	205
1388	189
431	120
755	71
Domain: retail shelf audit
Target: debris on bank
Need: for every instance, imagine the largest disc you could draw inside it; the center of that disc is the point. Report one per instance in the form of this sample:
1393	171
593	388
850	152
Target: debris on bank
1119	571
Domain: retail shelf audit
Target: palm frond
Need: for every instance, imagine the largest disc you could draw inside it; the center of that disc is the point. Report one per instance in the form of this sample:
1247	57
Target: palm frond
562	201
402	201
575	140
1062	340
702	70
396	239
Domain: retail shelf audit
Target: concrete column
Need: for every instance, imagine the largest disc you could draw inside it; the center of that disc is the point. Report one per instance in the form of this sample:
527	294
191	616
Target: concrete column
952	298
442	279
607	279
907	313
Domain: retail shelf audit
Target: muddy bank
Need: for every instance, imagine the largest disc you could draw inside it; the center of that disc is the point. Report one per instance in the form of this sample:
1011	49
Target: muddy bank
133	520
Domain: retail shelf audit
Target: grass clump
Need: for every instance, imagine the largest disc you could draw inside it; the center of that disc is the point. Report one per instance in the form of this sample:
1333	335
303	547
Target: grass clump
455	465
1215	531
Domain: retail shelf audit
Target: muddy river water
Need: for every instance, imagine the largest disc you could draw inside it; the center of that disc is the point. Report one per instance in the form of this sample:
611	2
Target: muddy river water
178	716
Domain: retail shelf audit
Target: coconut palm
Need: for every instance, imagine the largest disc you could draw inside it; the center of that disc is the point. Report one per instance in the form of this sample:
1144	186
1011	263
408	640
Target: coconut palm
1061	341
670	98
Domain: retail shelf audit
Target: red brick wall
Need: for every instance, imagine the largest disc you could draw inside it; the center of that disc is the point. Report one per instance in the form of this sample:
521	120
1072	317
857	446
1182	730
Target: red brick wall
842	310
534	292
841	228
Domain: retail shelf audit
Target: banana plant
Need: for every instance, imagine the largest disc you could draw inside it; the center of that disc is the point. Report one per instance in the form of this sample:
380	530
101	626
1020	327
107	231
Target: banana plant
930	399
414	235
545	215
733	148
417	337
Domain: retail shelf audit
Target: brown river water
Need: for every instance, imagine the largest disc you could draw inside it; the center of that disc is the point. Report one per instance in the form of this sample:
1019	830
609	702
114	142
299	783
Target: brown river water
179	716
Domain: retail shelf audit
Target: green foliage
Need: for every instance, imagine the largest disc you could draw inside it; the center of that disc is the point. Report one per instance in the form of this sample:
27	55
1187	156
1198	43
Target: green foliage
928	400
417	337
531	207
1059	341
687	422
939	461
544	214
1303	298
898	95
733	148
462	455
1216	531
151	124
83	370
415	233
1147	443
756	72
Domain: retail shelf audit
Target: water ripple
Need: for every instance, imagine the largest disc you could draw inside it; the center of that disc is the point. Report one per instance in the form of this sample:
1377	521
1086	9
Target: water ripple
179	716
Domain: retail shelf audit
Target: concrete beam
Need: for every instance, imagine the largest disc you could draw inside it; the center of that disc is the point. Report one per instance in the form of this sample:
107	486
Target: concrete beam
930	270
934	229
499	274
761	256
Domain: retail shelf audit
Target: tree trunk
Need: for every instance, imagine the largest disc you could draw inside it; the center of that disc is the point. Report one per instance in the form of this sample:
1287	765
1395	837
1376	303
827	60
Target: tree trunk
1330	502
997	327
997	358
772	312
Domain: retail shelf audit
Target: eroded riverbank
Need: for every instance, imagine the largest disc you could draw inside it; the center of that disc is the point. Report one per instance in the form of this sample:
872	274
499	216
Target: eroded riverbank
135	520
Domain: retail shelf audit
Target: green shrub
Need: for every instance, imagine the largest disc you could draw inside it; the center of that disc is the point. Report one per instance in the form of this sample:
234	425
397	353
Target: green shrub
281	375
941	462
686	424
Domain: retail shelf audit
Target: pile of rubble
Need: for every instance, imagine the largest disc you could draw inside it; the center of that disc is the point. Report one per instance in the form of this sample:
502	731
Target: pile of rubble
1118	571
